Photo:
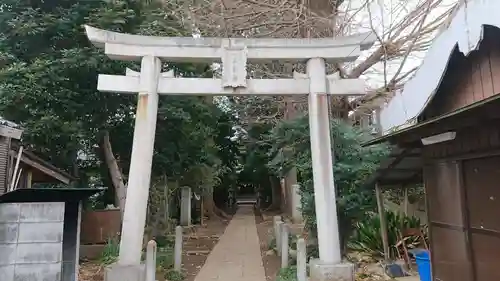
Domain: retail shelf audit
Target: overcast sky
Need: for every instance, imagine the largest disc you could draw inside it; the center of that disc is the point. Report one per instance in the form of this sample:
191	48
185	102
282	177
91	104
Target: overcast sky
384	14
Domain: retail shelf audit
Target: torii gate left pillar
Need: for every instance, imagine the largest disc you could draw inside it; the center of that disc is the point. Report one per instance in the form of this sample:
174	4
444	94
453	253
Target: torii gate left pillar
234	54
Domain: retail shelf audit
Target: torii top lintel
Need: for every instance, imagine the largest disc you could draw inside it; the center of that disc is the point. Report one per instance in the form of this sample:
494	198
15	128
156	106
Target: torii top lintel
124	46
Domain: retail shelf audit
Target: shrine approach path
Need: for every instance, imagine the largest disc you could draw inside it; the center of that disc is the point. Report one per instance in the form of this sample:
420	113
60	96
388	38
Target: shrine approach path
236	257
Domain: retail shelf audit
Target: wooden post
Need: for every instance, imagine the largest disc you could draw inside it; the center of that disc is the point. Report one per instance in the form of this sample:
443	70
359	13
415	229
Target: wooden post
383	222
202	213
29	179
406	201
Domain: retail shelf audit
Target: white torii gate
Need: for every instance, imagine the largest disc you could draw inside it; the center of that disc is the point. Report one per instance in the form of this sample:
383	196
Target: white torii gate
233	53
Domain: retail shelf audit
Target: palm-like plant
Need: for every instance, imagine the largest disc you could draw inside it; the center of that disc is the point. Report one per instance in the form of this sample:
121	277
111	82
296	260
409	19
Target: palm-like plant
367	236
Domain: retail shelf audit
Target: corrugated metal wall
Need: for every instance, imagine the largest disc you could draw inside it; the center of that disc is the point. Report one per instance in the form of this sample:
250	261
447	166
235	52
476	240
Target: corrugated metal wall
4	159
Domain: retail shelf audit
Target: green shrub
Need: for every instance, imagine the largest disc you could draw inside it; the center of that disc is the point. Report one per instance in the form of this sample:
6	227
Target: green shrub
110	252
287	274
367	237
173	275
165	259
353	164
164	241
272	244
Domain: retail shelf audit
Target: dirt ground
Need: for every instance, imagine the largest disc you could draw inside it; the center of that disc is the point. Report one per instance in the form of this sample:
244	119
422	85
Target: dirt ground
90	271
265	230
198	242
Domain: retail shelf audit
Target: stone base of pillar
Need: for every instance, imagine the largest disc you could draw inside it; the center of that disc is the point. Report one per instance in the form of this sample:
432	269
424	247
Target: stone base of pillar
320	271
116	272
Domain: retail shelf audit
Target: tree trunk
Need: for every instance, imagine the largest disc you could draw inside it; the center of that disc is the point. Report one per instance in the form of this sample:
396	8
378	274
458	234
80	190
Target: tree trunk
339	106
276	194
209	208
115	173
209	204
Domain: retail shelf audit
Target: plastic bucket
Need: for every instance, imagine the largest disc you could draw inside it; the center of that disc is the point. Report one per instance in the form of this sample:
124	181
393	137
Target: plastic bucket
423	265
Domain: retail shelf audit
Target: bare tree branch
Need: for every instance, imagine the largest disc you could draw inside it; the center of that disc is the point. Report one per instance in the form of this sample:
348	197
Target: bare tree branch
404	30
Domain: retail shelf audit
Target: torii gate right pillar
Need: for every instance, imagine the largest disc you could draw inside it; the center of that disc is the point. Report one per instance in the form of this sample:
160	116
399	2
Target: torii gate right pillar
329	267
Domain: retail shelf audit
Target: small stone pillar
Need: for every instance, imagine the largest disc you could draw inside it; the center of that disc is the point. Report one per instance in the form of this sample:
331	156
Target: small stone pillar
151	261
301	260
284	245
278	237
178	249
276	219
185	206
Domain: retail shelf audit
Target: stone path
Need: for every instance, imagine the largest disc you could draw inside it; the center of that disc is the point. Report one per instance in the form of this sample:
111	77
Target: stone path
236	257
410	278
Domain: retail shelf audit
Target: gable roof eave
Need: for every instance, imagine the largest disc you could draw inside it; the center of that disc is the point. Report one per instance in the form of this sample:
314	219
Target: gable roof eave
465	31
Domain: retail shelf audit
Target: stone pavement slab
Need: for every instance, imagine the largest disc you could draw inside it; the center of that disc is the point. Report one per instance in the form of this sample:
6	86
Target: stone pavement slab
236	257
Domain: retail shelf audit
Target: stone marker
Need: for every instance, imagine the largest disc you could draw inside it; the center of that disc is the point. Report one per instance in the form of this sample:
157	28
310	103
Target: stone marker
284	245
151	261
178	248
301	260
278	236
296	204
185	206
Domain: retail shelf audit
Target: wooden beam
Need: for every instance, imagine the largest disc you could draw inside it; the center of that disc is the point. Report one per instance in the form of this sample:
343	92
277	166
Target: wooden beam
43	169
406	200
466	117
387	170
414	179
10	132
394	163
29	179
383	222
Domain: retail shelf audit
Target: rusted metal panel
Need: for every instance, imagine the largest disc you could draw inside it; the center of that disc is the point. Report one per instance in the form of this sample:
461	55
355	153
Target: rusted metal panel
444	194
463	213
100	226
481	176
486	249
468	80
481	138
449	255
495	67
449	248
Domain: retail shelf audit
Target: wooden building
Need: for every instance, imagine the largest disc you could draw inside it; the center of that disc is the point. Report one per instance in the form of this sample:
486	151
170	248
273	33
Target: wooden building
454	141
43	224
20	168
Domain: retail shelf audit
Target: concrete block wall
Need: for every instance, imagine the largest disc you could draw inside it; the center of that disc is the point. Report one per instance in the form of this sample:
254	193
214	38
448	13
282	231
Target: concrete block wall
71	241
31	241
